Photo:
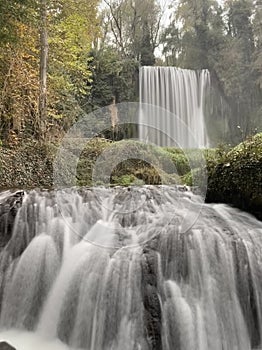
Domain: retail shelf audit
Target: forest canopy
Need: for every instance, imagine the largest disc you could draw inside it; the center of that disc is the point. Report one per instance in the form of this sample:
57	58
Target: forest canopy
62	58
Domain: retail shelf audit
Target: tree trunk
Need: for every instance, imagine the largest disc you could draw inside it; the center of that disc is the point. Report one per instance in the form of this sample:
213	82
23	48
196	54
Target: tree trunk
43	69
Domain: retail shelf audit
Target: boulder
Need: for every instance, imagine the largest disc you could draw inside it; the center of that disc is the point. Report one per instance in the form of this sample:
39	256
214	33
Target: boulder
236	179
10	202
5	346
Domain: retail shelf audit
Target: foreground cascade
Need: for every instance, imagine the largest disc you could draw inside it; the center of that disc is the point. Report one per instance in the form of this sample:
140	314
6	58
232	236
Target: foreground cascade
131	268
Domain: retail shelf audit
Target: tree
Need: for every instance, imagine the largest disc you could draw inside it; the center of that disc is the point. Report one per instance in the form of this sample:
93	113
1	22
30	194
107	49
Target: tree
194	34
172	45
135	27
36	93
72	29
43	65
18	68
236	67
147	50
112	77
224	40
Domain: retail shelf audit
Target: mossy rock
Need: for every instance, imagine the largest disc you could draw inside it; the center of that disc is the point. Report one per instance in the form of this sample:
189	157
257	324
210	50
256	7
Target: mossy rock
127	180
126	162
237	178
234	175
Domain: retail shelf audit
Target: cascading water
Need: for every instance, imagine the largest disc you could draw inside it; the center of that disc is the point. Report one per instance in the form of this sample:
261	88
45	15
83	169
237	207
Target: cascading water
84	271
180	92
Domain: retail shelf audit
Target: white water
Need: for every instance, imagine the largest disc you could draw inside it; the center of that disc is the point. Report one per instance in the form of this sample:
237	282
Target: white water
77	273
181	93
31	341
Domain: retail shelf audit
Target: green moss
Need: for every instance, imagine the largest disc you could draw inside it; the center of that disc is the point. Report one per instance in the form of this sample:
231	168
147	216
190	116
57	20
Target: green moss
236	177
187	179
128	162
27	166
127	180
92	150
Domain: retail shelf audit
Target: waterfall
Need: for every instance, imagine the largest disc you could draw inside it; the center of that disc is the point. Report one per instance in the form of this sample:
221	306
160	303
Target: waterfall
181	95
83	269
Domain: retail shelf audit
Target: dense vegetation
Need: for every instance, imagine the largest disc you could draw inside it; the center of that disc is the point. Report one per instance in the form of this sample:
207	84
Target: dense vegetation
227	41
230	175
236	176
60	59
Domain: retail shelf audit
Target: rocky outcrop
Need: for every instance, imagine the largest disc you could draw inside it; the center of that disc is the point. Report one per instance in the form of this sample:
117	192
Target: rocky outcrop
10	202
236	179
150	295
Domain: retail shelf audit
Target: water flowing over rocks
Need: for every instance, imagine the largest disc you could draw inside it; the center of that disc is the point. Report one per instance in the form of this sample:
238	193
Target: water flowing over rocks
141	268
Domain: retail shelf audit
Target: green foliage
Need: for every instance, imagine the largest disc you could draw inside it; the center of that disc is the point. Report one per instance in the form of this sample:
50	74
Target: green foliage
71	27
227	41
112	77
141	164
93	149
194	42
126	180
235	68
189	179
180	160
71	33
29	166
134	28
12	13
147	49
234	174
88	65
237	176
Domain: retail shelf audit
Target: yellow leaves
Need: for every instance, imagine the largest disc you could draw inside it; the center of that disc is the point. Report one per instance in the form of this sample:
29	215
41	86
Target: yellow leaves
70	40
20	89
72	26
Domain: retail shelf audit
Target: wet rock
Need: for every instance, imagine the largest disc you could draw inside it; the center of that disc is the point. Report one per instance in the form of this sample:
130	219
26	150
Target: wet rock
246	292
150	294
10	202
5	346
